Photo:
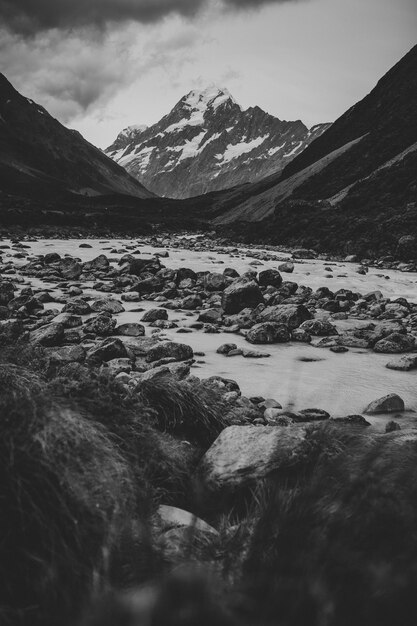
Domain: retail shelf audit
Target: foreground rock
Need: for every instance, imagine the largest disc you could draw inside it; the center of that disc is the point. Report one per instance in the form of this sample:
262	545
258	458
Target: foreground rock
170	349
241	294
388	404
243	454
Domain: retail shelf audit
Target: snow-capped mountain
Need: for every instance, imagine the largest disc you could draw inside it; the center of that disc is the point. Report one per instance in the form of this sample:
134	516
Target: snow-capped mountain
208	142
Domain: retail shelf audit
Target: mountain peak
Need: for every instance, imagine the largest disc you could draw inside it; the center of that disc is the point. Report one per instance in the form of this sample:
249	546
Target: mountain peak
212	97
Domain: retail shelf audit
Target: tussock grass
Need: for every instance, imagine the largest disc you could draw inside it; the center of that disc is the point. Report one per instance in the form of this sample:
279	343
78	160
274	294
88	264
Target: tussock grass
66	493
191	411
340	548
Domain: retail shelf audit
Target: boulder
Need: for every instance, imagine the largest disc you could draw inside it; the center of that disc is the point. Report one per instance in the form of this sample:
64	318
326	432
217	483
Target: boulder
107	350
319	328
388	404
210	316
69	268
130	330
270	277
109	305
67	354
170	349
154	314
100	263
287	267
395	343
77	307
403	364
102	325
244	454
215	282
291	315
241	294
268	332
48	335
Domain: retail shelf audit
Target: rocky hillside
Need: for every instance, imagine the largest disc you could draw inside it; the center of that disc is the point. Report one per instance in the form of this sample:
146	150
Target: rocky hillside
38	155
207	143
357	183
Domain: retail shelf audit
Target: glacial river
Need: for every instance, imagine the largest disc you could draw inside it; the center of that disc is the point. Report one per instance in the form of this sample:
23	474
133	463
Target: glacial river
341	384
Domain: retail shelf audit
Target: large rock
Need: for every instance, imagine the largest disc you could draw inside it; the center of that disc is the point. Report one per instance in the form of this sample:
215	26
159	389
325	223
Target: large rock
100	263
6	292
170	349
319	328
395	344
388	404
215	282
291	315
107	350
109	305
67	354
154	314
241	294
268	332
270	277
403	364
70	269
102	325
49	335
137	266
130	330
243	454
77	307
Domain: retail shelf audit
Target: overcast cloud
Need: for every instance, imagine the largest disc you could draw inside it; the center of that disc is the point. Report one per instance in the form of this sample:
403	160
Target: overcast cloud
32	16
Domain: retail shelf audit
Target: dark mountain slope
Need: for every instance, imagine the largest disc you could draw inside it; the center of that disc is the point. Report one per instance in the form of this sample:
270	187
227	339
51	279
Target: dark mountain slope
39	155
356	180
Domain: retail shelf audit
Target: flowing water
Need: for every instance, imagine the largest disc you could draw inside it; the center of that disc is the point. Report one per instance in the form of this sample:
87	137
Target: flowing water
297	375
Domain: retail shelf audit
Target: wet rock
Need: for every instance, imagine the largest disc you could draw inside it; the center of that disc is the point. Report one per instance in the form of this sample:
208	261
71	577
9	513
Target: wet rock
403	364
6	292
215	282
339	349
300	335
185	273
51	257
353	420
169	349
241	294
48	335
210	316
254	354
192	302
107	350
392	427
99	264
388	404
108	305
290	315
136	267
270	277
268	332
77	307
68	320
130	330
244	454
226	348
154	314
102	325
70	269
395	343
287	267
131	296
67	354
319	328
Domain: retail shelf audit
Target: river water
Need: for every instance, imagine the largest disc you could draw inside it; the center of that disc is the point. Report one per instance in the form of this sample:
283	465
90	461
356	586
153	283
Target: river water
341	384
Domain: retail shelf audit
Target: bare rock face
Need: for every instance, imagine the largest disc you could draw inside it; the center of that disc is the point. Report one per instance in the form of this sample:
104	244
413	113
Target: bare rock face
243	454
388	404
208	142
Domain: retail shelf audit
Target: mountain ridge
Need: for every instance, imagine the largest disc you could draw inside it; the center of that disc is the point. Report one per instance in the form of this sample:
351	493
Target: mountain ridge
208	142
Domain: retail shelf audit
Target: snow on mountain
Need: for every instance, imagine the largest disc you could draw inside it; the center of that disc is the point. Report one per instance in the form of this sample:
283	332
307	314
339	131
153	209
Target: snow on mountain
208	142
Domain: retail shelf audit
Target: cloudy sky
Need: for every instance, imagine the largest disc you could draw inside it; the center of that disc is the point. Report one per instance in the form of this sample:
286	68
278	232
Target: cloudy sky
101	65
